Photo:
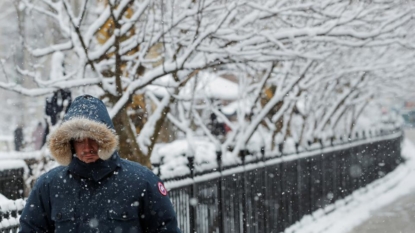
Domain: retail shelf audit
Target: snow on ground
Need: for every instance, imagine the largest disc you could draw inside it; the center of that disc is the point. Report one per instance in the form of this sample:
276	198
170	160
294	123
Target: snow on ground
175	162
20	155
12	164
3	198
364	201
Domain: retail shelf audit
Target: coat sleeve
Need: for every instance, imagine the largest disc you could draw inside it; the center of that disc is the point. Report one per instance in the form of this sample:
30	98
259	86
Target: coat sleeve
36	213
157	213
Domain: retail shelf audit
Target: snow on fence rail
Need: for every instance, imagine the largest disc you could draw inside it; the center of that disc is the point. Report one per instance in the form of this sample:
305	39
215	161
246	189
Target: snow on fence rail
10	211
12	174
274	192
172	163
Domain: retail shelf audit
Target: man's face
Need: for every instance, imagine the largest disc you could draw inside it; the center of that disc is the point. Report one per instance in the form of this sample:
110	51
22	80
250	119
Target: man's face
86	150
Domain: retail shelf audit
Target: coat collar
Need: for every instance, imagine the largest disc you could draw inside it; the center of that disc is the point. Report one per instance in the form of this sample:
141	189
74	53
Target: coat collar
96	171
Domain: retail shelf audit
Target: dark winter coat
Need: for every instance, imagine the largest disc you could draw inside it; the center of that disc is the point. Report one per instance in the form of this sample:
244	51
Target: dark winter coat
110	195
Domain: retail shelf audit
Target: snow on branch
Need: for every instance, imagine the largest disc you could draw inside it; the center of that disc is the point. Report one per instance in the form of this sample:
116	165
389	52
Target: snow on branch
51	49
286	59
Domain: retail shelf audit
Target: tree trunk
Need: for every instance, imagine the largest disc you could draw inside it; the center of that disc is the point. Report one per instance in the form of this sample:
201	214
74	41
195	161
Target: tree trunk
128	146
159	124
278	124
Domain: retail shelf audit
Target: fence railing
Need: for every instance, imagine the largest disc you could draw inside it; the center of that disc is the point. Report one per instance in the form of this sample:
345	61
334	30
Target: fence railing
272	193
268	194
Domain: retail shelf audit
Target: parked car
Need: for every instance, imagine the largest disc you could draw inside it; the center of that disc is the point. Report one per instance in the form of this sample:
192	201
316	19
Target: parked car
409	118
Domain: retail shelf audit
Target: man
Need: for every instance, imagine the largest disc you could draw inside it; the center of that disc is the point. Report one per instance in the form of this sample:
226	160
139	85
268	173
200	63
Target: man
55	105
95	190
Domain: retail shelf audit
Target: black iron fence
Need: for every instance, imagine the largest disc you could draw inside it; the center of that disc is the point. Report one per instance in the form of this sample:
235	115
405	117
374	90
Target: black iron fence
12	183
272	193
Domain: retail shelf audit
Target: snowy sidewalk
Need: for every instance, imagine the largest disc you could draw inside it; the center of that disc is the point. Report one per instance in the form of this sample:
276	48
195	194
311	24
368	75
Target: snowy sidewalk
397	216
385	206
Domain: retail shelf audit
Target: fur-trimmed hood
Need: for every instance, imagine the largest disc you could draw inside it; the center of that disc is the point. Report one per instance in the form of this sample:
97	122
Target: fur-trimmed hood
87	117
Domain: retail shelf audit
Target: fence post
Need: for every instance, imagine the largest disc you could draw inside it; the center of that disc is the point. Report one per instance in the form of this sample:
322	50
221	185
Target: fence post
281	148
193	197
266	203
220	193
158	166
244	215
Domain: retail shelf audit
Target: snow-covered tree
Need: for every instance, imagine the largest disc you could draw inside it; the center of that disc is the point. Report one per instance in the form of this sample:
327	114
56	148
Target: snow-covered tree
312	61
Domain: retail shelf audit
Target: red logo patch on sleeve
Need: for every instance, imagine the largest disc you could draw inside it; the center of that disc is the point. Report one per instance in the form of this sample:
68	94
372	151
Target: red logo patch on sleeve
162	189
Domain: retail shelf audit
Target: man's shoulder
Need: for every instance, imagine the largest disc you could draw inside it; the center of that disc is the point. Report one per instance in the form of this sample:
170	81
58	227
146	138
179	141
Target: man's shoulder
48	176
135	168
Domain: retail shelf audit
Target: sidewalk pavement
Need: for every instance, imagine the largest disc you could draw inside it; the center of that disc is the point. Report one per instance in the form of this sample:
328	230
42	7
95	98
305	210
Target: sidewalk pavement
397	217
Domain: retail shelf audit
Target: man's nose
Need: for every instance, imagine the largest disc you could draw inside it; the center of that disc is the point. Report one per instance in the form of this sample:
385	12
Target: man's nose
87	142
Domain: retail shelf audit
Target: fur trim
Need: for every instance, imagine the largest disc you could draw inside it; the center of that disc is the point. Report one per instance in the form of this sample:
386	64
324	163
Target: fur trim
79	128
